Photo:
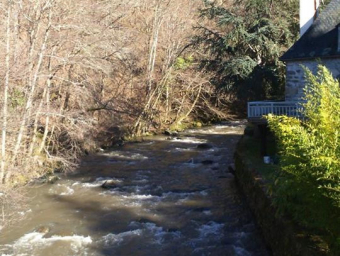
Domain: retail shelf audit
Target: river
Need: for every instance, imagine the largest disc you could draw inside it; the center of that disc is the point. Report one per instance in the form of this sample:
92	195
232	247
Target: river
162	196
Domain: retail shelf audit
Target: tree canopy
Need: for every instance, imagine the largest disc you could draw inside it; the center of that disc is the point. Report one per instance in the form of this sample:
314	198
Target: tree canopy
243	43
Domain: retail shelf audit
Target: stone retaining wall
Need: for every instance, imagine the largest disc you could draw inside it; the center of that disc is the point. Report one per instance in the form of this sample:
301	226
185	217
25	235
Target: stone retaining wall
281	235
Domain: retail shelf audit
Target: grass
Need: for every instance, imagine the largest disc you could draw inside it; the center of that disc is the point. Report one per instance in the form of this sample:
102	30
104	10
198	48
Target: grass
250	146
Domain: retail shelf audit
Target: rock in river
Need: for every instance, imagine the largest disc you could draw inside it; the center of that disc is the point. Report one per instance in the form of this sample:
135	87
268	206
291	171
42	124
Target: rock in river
207	162
109	184
43	229
204	146
52	179
170	133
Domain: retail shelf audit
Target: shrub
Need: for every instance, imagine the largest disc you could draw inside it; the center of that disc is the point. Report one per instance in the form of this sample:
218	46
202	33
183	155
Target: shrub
308	184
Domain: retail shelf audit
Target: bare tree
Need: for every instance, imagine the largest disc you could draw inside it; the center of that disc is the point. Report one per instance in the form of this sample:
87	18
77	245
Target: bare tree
80	69
5	95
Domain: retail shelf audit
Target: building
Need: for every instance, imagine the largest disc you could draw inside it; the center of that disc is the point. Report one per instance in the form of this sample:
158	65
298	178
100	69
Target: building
319	43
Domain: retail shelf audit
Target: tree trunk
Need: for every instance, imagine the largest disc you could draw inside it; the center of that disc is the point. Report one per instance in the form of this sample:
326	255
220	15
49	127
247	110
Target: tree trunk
6	85
192	106
153	46
43	141
31	93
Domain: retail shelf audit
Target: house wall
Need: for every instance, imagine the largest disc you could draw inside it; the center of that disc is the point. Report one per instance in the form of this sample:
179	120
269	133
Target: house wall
295	80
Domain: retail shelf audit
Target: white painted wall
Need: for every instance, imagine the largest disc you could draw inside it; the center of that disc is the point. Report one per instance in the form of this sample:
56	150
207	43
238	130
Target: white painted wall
308	9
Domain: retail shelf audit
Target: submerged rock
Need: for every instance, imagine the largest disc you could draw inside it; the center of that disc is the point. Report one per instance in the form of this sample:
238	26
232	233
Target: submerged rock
52	179
173	137
43	229
172	230
204	146
206	162
167	132
109	184
170	133
231	169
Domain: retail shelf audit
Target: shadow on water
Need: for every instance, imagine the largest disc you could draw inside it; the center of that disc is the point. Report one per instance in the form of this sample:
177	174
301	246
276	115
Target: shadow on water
167	196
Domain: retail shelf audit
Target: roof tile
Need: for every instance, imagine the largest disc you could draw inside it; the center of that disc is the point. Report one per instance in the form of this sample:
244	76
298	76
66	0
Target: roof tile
321	39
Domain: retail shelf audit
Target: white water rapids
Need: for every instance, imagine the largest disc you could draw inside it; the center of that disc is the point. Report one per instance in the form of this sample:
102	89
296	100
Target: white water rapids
166	196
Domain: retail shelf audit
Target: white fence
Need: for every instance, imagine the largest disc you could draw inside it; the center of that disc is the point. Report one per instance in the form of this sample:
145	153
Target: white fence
257	109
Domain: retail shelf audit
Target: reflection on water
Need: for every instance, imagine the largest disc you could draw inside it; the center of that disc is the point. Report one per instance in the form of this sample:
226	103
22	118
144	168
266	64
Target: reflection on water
164	196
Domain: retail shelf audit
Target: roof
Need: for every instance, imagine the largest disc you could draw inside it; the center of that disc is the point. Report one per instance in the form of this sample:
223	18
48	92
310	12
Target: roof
321	39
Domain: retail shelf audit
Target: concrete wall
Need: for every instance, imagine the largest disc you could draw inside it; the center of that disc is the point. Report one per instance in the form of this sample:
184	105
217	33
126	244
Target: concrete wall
295	81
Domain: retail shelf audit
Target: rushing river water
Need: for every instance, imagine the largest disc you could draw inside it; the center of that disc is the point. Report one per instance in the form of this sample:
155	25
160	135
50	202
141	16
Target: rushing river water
164	196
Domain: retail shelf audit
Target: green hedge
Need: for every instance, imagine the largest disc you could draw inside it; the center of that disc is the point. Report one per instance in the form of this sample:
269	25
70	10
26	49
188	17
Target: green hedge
308	184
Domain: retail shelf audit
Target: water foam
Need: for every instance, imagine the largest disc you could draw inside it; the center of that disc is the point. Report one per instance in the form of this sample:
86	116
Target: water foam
216	130
191	140
158	234
141	177
207	212
97	183
210	229
125	155
183	149
116	239
35	241
140	181
138	197
62	190
183	195
146	229
239	251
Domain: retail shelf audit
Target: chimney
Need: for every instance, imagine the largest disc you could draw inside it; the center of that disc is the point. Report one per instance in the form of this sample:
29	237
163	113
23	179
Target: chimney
308	13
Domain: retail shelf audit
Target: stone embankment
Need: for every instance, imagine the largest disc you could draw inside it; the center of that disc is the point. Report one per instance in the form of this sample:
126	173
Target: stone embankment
282	236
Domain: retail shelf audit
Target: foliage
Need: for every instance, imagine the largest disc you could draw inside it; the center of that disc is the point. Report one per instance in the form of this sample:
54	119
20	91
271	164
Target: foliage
323	4
308	185
17	98
244	42
183	62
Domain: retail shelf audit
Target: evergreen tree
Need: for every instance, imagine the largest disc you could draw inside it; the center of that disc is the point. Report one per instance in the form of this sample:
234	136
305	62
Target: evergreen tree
243	44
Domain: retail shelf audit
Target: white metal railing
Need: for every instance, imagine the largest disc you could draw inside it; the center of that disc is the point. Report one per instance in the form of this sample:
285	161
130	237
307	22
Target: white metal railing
258	109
